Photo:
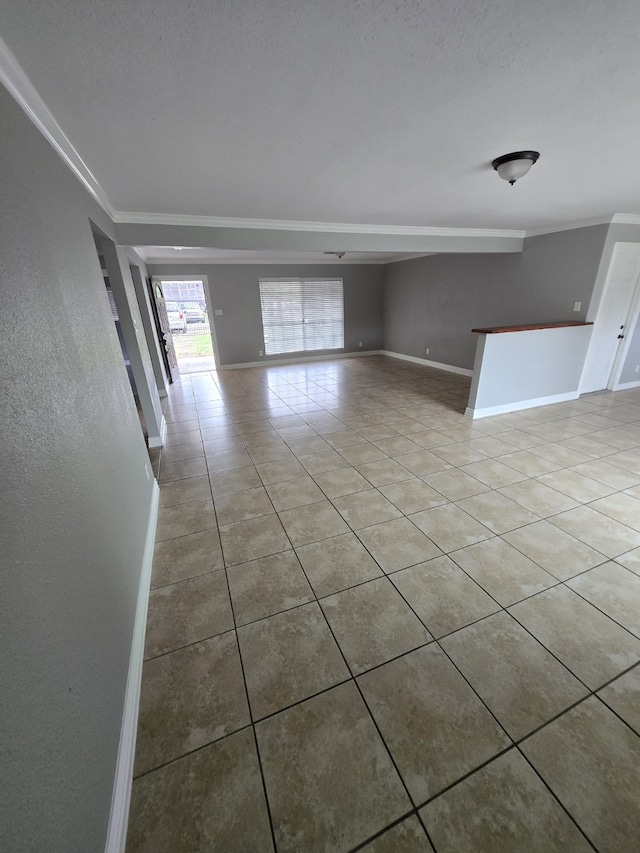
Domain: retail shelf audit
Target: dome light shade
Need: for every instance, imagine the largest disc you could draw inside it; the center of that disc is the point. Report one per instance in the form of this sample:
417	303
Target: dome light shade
513	166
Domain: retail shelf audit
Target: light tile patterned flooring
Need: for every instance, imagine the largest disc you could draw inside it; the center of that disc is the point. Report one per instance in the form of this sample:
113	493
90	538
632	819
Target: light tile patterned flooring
375	624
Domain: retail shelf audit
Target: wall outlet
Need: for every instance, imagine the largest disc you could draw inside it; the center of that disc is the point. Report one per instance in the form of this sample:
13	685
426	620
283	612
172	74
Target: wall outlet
577	306
359	343
637	368
426	352
260	353
218	312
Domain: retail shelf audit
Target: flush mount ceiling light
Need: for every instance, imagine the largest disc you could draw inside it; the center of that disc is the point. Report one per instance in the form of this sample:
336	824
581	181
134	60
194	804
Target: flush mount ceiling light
513	166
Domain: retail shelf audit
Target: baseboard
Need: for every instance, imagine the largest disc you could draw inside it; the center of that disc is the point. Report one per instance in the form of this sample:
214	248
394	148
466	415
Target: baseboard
275	362
438	365
625	386
119	817
520	405
158	440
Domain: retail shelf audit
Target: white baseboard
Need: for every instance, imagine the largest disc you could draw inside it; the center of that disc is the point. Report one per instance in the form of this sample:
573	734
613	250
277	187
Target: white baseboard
438	365
119	817
158	440
520	405
624	386
275	362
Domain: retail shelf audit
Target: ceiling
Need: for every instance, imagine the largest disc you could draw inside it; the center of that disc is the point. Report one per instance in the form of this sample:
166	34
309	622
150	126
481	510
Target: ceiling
380	112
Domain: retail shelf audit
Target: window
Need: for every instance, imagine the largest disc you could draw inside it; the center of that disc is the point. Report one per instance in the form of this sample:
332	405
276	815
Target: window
301	315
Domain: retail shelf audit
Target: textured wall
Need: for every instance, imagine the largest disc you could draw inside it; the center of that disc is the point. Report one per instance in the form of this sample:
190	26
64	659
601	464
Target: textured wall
435	302
234	288
74	498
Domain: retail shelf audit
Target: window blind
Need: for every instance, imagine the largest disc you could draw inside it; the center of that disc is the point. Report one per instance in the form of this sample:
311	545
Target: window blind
302	315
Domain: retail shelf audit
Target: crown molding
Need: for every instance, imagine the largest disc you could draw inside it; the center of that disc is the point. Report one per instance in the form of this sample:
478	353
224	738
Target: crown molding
13	76
125	218
569	226
625	219
250	261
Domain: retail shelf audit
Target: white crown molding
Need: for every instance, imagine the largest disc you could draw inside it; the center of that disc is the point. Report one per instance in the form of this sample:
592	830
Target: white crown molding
625	219
26	95
173	261
124	218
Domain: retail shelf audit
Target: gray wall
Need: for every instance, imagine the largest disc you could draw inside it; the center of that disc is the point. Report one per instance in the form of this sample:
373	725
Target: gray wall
435	301
234	288
75	500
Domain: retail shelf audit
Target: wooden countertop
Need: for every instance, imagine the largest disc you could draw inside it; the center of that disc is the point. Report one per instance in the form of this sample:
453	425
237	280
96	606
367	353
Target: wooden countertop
498	330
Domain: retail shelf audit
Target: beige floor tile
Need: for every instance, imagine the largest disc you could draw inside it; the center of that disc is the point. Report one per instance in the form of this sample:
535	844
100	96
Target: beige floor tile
186	612
443	596
502	807
588	446
622	508
431	437
610	475
235	480
591	761
502	571
422	463
493	473
228	460
397	544
359	454
251	539
329	779
184	518
212	799
338	563
614	590
587	642
435	726
597	530
221	445
623	696
630	560
241	506
577	486
413	495
490	445
262	453
346	438
372	624
344	481
397	445
267	586
522	684
320	463
186	557
538	498
458	454
180	452
365	508
497	512
561	455
289	657
528	463
294	493
405	837
384	471
312	523
280	470
449	527
182	491
522	440
182	470
455	484
560	554
189	698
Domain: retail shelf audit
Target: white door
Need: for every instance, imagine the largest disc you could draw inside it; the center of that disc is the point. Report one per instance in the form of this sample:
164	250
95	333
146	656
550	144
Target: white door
609	326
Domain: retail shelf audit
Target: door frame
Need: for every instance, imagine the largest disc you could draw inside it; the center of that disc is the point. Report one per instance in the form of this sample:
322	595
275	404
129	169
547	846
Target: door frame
633	312
182	276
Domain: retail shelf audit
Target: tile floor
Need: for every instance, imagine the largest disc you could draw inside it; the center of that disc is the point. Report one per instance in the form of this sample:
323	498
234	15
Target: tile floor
377	625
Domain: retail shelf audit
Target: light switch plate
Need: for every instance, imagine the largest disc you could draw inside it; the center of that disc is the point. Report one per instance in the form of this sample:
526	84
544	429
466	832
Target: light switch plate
218	312
577	306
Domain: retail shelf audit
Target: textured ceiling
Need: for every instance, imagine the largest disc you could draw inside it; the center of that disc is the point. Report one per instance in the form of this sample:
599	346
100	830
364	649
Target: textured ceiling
361	111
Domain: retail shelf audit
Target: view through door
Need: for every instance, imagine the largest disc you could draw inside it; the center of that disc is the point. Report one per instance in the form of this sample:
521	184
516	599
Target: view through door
189	323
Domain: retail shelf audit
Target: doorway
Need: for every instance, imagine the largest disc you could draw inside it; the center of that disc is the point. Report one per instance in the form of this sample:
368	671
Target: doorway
615	322
191	326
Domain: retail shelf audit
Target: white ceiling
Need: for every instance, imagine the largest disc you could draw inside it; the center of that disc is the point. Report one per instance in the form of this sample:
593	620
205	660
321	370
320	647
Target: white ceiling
383	112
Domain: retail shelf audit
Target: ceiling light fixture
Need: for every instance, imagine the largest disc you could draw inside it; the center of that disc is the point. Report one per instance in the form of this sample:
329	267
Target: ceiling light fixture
513	166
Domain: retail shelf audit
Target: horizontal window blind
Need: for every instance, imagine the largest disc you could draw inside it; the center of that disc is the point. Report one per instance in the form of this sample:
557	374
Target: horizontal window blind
302	315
